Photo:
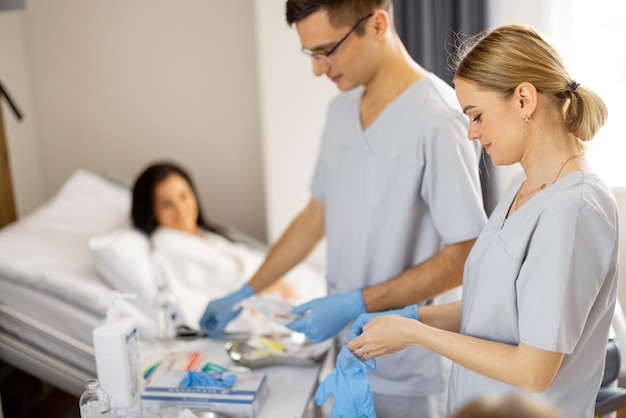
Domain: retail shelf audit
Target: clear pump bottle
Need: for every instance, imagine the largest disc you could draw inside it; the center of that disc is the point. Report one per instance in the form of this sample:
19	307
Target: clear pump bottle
94	401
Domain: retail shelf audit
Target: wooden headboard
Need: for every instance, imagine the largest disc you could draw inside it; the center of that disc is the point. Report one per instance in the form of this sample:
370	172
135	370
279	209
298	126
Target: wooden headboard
7	202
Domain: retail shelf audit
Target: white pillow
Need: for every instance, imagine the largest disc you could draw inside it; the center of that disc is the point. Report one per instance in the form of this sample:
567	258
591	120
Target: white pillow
123	258
87	204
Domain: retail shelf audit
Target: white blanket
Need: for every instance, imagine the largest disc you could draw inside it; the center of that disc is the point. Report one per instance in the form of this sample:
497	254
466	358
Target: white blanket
47	250
199	269
196	270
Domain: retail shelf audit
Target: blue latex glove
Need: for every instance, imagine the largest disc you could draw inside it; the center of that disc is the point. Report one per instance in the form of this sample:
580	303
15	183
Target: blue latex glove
407	312
350	386
327	316
193	378
220	312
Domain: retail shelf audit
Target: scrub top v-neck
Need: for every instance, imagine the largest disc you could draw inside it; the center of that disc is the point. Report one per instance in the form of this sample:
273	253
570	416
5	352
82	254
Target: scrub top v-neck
393	194
545	276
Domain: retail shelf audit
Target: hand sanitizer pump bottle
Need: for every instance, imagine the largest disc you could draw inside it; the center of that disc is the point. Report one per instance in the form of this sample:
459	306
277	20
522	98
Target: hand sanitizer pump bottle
115	344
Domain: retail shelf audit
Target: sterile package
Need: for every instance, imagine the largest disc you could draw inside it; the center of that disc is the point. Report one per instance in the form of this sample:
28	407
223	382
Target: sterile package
244	399
276	309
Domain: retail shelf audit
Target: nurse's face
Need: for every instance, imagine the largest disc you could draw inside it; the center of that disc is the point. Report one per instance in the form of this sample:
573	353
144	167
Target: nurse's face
350	63
494	122
175	204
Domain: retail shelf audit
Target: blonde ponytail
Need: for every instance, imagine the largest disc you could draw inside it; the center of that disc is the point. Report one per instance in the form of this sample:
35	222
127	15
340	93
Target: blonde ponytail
501	59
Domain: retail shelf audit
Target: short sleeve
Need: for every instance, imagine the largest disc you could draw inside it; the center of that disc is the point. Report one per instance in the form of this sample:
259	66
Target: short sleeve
319	176
451	185
568	259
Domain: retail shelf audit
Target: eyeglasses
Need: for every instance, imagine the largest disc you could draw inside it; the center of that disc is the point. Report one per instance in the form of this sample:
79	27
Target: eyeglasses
325	55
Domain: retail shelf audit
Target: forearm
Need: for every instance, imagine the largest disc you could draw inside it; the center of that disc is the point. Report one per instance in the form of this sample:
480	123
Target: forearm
296	243
446	316
519	365
436	275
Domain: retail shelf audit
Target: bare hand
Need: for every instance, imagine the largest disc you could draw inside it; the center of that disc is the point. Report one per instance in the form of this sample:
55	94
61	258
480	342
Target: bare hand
384	335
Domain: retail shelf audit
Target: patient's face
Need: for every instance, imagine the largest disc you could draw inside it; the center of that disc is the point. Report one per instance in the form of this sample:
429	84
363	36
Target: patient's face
175	204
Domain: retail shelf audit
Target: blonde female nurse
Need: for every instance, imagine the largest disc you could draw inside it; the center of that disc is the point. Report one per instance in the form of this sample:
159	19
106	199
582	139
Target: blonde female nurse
540	283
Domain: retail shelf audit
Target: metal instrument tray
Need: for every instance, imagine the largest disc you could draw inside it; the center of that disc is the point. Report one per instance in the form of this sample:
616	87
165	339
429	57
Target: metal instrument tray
288	348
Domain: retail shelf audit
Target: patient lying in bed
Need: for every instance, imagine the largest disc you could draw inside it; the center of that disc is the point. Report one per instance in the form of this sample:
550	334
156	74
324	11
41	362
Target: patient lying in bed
174	245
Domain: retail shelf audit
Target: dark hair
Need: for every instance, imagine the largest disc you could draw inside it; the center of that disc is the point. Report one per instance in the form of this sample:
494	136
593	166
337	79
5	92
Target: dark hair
340	12
142	211
508	55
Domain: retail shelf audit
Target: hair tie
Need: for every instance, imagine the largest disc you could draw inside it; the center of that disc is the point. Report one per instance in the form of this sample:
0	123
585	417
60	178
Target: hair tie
571	88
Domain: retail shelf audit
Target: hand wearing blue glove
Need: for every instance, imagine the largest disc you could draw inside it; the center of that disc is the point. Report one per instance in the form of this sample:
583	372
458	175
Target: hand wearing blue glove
407	312
350	386
220	312
324	317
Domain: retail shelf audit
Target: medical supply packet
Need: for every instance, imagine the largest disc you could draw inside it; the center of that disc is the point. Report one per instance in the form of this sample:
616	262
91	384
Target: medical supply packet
191	360
243	399
276	309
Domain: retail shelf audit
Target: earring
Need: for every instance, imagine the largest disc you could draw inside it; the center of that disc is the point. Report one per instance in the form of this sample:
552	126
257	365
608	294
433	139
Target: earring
526	119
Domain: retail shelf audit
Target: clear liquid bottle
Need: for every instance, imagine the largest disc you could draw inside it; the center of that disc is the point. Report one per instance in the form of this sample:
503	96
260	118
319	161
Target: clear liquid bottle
94	401
167	316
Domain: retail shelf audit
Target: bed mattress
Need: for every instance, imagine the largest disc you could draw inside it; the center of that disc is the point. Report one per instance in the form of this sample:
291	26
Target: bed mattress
46	337
49	323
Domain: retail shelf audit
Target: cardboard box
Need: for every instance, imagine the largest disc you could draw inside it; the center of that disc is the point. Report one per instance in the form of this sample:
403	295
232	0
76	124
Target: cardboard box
243	399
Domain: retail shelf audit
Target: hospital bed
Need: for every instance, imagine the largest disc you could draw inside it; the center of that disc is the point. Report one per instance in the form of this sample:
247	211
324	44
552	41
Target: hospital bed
52	295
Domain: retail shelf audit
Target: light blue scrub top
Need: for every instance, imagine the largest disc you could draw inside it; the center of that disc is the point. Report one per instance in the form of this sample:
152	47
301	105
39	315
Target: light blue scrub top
393	195
547	277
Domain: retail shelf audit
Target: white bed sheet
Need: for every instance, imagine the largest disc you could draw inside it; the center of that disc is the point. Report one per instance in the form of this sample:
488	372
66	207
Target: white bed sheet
47	250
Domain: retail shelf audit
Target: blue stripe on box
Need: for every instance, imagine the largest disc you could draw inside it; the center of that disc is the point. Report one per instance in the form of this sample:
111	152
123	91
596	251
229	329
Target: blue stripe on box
202	390
195	400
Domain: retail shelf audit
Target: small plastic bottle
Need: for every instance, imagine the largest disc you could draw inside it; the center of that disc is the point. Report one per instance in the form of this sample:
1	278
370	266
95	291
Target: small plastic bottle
167	315
94	401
